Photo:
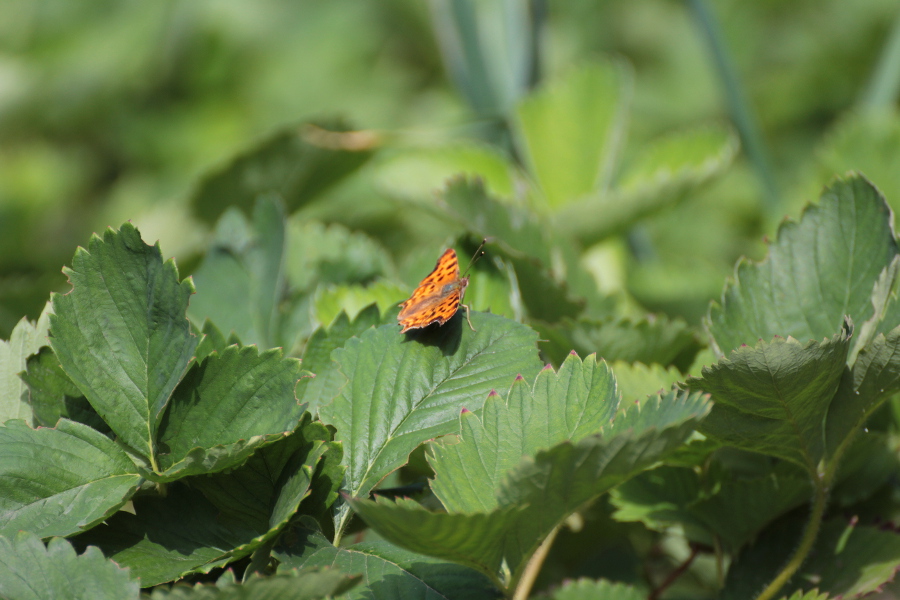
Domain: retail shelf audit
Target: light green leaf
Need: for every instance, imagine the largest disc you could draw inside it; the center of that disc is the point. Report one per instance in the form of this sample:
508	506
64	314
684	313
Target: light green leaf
241	280
773	398
388	571
297	163
30	571
662	175
637	380
322	388
810	595
588	589
332	254
569	131
60	481
413	387
568	405
330	301
225	408
26	339
121	334
832	259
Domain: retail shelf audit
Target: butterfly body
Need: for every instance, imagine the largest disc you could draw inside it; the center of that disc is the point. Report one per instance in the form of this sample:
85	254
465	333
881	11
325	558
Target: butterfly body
438	296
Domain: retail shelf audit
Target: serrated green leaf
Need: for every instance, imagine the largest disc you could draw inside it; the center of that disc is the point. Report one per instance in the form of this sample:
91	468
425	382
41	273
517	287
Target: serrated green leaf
213	340
60	481
265	492
30	571
242	278
661	176
121	334
26	339
225	408
570	130
569	405
589	589
298	163
330	301
53	395
773	398
832	257
636	381
388	571
169	537
413	387
317	355
542	491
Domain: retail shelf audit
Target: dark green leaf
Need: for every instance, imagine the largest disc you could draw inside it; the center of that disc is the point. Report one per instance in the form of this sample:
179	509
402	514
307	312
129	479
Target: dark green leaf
388	571
225	408
121	334
831	259
773	398
53	395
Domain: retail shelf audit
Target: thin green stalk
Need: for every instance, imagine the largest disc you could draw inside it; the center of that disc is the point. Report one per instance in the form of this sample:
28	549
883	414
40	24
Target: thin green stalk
526	581
738	107
883	88
806	542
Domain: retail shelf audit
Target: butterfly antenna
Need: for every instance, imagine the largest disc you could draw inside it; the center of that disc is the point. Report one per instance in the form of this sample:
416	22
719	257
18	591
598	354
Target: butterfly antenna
478	254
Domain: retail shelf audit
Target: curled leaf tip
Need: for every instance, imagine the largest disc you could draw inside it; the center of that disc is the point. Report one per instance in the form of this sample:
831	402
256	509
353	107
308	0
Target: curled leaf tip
573	353
465	410
548	367
519	377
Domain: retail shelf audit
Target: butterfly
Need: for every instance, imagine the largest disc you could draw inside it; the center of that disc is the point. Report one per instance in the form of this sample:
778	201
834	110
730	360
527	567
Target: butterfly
438	297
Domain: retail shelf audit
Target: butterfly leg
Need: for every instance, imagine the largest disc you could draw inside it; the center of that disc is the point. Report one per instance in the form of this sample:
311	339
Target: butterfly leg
467	316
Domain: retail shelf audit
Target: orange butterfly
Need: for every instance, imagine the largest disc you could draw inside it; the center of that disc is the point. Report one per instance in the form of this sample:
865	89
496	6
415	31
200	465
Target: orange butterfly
438	297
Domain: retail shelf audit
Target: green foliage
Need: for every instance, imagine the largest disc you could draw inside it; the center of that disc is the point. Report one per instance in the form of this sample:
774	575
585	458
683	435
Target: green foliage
260	429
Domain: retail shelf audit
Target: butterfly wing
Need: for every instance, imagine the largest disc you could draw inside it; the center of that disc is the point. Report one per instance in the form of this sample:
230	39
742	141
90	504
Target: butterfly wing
437	297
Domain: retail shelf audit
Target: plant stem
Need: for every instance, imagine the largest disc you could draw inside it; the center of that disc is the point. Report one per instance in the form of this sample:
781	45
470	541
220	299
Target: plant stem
806	542
259	560
674	575
884	85
738	107
523	588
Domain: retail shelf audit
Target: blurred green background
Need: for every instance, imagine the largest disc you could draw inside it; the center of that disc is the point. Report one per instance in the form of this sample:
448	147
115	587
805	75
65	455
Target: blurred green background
112	110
